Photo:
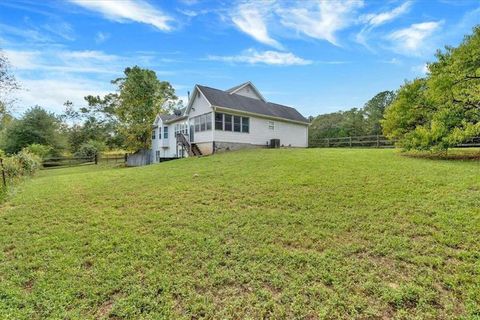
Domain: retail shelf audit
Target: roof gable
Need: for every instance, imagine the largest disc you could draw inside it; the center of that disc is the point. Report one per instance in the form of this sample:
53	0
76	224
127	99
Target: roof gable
247	89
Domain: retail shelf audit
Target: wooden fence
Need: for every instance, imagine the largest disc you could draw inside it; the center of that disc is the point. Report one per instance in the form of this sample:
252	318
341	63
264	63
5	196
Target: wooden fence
61	162
375	141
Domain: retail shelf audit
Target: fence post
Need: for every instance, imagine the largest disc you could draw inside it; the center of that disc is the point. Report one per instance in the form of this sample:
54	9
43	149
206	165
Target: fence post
4	180
378	141
350	142
96	158
328	142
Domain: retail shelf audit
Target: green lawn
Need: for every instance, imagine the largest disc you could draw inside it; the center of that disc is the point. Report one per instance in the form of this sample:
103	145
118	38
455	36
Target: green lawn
306	234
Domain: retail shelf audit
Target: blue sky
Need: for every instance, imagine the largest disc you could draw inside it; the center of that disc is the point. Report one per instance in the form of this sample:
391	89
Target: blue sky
318	56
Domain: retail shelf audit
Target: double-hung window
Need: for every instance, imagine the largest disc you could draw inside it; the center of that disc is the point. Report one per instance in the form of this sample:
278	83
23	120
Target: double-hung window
228	122
245	124
218	121
271	125
165	132
153	134
237	127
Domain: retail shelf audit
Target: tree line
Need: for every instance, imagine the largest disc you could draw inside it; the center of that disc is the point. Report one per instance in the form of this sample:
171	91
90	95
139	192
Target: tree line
119	120
436	112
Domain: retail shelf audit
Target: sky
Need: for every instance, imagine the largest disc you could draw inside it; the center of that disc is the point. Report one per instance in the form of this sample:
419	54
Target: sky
317	56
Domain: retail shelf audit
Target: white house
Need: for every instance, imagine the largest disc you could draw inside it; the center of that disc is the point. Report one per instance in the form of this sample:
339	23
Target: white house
216	120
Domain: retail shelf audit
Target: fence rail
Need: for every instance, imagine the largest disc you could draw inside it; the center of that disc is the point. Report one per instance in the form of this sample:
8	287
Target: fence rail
372	141
375	141
60	162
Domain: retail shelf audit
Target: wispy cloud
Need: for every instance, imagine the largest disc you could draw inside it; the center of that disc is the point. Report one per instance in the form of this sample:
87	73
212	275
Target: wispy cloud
320	19
249	18
374	20
51	92
86	61
377	19
61	29
412	40
129	10
101	37
252	56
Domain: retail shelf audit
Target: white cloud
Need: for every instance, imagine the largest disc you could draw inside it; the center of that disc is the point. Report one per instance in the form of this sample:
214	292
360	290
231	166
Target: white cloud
94	62
101	37
412	40
374	20
377	19
252	56
51	93
249	18
129	10
320	19
420	69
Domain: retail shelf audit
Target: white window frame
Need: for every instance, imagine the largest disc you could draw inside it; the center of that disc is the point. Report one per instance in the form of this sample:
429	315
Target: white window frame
271	125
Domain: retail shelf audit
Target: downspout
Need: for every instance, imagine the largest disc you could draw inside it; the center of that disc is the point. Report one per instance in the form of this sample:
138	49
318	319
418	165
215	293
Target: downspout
213	129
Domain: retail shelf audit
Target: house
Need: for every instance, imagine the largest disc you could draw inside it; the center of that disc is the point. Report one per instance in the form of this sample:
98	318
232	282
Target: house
217	120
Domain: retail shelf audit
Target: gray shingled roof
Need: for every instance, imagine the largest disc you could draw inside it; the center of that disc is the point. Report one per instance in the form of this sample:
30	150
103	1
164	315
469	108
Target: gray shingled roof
238	102
168	117
172	117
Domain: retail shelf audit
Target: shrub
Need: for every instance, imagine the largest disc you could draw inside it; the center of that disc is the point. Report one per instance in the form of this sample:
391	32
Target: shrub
39	149
29	162
90	149
13	168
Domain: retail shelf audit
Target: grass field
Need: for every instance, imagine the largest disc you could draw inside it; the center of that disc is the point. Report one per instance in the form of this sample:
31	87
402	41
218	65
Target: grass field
306	234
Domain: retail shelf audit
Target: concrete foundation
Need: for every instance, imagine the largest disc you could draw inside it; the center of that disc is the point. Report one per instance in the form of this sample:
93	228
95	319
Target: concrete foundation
232	146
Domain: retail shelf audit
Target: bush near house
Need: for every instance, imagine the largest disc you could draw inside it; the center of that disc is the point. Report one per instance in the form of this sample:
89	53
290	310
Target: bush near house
296	234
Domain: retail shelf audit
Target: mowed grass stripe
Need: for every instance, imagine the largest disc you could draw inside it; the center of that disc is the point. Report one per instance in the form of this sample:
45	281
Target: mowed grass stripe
314	233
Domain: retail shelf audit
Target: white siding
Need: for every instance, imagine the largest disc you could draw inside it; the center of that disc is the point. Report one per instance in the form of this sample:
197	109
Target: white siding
201	106
289	133
248	91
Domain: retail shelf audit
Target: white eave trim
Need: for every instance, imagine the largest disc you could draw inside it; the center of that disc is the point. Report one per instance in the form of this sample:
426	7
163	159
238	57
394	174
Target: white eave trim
259	115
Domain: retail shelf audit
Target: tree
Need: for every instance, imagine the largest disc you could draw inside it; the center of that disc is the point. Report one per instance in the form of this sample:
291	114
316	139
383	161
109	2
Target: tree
8	83
36	126
374	110
443	109
140	97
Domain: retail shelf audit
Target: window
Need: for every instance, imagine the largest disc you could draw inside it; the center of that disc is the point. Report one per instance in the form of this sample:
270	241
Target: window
159	132
271	125
196	121
203	125
209	121
165	132
218	121
236	124
228	122
153	134
245	124
202	122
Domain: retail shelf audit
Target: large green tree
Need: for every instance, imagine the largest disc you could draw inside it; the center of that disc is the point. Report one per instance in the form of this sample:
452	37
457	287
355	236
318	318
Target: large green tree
139	98
374	110
443	109
35	126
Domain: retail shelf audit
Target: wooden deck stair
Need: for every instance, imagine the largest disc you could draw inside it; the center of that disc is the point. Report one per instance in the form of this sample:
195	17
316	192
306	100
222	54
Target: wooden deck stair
191	148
